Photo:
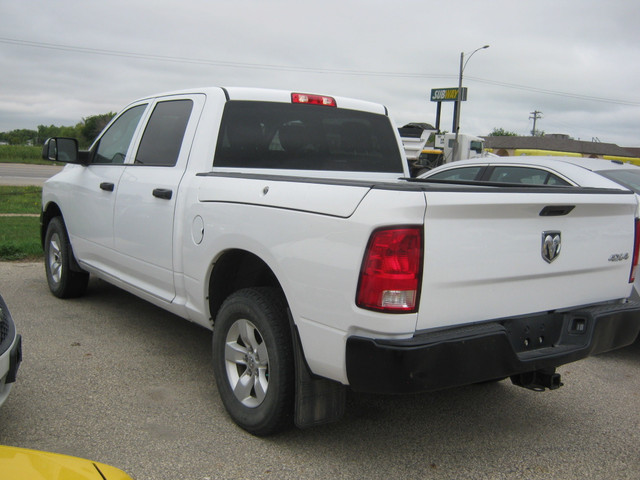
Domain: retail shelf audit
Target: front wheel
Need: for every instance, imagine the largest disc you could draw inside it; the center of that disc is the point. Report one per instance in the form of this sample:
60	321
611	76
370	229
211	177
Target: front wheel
63	282
253	360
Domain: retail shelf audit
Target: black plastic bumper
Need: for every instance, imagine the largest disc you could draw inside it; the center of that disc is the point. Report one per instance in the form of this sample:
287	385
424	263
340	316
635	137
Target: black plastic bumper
15	358
487	351
9	340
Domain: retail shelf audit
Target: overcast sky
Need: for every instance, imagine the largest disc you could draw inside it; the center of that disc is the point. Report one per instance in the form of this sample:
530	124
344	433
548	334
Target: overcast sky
576	61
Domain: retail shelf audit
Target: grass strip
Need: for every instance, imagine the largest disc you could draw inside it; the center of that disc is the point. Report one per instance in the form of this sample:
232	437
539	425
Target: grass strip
20	235
22	200
20	238
23	154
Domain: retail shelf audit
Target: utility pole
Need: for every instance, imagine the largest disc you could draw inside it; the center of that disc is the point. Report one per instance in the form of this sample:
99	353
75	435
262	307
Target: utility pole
456	125
536	115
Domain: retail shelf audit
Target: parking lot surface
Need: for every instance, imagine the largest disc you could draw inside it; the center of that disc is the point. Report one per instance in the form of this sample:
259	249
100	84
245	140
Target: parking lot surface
112	378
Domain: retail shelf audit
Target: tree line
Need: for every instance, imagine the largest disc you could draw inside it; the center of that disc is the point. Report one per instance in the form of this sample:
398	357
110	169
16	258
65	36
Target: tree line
89	128
85	131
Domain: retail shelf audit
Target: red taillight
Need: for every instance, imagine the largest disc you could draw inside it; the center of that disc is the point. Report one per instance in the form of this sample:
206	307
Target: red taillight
636	248
391	271
313	99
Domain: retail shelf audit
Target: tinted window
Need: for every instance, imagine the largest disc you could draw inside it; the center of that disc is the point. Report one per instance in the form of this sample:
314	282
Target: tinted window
466	174
114	143
626	178
162	138
554	180
476	146
305	137
524	175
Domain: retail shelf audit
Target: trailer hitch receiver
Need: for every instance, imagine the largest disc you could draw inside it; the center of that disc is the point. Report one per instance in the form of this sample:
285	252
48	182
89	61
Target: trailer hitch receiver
538	380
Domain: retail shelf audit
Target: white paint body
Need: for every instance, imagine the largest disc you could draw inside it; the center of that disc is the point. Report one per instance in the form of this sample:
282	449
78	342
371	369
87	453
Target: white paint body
482	255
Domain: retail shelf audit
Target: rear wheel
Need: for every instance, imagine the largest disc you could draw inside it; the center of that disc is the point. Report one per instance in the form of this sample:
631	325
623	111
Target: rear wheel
63	282
253	360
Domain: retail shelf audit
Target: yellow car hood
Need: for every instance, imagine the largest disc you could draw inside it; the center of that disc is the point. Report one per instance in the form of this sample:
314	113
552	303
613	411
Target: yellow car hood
24	464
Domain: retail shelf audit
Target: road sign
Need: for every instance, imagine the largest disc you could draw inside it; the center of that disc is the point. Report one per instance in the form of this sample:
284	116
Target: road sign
447	94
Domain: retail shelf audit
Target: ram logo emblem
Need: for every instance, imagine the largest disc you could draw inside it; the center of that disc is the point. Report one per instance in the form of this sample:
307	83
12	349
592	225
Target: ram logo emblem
551	243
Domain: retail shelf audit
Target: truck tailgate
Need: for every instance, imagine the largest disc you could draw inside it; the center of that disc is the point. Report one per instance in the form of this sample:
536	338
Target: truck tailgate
485	258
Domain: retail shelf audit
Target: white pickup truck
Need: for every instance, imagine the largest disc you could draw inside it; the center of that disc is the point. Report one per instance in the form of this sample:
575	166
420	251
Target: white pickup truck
287	224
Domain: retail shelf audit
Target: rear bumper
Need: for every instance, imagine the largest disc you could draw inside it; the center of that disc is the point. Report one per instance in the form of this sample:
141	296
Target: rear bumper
487	351
15	358
9	363
10	351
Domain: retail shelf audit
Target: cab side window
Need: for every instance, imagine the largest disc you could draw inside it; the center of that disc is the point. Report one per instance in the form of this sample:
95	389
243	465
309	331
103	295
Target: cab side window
468	174
524	175
162	138
114	143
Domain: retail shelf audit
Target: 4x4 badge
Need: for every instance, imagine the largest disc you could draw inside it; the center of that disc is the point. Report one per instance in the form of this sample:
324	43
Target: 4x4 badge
551	243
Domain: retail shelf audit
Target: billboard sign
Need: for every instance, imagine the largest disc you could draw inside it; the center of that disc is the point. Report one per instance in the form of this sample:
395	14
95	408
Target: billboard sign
447	94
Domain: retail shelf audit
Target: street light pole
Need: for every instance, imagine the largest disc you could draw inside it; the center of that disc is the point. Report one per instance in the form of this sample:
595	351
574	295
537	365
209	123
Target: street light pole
456	146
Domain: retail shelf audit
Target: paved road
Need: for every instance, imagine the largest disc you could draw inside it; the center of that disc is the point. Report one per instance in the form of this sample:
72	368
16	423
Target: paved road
23	174
112	378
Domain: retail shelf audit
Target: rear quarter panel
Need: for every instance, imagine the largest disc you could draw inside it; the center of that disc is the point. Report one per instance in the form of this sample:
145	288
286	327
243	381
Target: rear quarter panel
314	250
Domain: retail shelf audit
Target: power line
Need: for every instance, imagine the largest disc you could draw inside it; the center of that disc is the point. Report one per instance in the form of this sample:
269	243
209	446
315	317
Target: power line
555	92
289	68
197	61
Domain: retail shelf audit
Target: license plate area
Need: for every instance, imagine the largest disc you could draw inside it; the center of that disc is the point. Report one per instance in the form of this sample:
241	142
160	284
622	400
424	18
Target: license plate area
533	333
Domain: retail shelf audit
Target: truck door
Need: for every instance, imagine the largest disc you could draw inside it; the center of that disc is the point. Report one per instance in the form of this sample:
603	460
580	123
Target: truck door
147	192
92	193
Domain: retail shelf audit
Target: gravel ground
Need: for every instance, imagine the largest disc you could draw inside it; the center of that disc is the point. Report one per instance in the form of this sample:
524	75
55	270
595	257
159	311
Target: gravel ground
112	378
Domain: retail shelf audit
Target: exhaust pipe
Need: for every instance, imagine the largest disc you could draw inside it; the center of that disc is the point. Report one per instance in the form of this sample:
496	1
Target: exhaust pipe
538	380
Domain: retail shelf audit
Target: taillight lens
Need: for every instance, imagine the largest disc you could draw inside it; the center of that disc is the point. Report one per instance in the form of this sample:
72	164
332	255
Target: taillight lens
313	99
391	270
636	248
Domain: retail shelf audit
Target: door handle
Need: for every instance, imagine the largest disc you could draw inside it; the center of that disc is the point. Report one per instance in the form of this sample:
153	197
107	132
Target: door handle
556	210
163	193
107	186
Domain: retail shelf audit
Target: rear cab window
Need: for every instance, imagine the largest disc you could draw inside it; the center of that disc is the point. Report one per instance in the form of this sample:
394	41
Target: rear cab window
524	175
273	135
467	174
627	178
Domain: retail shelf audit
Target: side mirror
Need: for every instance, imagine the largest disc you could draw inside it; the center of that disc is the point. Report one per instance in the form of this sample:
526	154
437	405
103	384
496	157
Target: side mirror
61	149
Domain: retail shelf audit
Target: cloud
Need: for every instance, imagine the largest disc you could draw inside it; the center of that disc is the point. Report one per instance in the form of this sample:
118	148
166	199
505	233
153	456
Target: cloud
572	60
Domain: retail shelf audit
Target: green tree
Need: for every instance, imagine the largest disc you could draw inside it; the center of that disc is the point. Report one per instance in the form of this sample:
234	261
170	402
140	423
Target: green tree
85	131
501	132
91	127
45	132
21	136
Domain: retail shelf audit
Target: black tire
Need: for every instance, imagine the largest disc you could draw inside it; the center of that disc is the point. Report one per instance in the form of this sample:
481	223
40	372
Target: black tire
253	360
58	256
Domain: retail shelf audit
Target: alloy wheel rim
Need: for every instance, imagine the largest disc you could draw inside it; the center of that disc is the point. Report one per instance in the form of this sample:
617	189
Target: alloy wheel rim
247	363
55	258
